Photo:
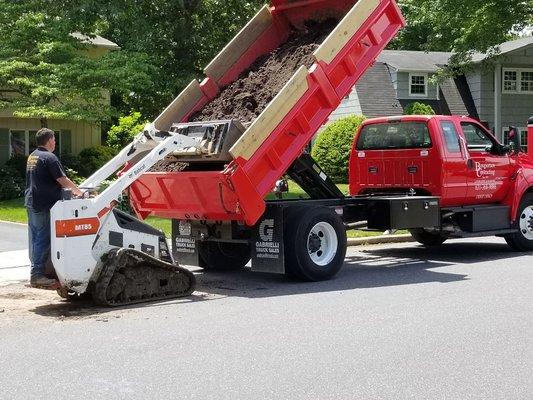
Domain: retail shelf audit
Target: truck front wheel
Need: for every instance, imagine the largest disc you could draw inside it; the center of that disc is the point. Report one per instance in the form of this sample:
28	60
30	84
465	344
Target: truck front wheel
523	239
428	238
223	256
315	244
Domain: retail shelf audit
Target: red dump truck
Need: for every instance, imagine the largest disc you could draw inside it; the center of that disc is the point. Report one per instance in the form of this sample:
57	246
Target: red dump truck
437	190
216	173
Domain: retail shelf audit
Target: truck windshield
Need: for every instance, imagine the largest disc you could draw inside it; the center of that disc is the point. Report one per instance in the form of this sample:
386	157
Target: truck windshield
394	135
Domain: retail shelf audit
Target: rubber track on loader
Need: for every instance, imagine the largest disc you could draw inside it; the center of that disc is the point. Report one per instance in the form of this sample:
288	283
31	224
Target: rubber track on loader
129	276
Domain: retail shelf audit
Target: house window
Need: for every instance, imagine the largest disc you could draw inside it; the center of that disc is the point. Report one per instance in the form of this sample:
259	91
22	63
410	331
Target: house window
418	85
517	80
510	79
526	81
23	142
17	143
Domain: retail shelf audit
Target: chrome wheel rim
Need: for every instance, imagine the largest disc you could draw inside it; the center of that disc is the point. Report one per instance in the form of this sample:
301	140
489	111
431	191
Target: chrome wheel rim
526	223
322	244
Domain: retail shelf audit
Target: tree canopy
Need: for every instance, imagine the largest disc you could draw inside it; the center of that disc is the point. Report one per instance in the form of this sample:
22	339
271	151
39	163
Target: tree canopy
178	37
461	26
46	72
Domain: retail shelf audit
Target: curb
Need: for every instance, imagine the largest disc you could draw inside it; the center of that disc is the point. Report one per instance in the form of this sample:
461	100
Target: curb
381	239
14	223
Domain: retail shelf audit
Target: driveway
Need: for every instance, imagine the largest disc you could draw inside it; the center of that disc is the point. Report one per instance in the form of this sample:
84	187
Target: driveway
14	262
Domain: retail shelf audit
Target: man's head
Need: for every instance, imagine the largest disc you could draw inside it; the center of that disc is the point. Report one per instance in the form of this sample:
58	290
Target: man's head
46	138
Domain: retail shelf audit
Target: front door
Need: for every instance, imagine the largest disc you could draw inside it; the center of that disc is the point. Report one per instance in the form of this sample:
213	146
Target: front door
454	165
488	172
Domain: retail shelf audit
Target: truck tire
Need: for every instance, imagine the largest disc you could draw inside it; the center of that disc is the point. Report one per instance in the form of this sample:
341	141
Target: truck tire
223	256
428	238
523	239
315	244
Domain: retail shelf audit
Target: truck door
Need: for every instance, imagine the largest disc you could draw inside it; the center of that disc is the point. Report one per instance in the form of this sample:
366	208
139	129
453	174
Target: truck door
488	172
454	163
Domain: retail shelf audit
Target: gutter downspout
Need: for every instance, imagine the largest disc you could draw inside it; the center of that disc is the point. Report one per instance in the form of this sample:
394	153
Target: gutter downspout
498	101
530	138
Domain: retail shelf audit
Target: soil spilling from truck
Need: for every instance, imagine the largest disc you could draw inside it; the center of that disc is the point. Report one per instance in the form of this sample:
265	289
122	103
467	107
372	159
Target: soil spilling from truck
249	95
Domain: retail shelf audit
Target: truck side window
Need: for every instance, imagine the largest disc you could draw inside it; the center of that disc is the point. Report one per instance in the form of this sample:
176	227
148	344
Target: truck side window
476	139
450	136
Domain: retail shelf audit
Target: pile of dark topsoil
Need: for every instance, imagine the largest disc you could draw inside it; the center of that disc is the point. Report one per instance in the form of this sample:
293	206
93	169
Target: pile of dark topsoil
249	95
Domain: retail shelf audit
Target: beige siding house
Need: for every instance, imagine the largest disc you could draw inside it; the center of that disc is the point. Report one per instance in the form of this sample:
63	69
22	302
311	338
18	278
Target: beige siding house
17	135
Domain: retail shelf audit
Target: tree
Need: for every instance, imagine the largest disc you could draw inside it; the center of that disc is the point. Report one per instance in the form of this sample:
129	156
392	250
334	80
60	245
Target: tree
127	128
461	26
46	72
179	37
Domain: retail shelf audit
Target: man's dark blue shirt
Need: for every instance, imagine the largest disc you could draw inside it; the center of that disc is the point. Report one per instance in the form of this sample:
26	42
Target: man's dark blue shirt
42	171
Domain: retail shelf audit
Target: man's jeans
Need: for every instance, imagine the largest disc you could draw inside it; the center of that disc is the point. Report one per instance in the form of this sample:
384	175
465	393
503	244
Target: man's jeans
39	240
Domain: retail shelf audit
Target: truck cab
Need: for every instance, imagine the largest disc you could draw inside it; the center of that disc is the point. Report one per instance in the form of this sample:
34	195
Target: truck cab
453	157
483	186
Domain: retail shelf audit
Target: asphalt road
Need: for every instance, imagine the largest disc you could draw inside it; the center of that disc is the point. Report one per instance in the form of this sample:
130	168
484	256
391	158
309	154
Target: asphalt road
13	237
398	322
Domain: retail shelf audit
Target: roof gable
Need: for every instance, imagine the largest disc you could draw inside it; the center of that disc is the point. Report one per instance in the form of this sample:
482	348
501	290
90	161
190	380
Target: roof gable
420	61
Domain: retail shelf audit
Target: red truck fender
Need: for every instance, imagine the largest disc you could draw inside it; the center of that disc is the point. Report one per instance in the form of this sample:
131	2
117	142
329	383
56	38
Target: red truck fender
523	183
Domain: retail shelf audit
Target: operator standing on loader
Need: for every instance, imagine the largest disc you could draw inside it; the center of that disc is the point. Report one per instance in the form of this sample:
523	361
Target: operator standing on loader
45	177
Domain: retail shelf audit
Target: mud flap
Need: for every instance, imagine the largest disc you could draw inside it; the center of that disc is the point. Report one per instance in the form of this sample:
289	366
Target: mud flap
184	243
267	242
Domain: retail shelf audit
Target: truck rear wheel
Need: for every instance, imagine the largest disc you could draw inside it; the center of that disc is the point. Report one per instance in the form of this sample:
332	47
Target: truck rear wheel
523	239
315	244
428	238
223	256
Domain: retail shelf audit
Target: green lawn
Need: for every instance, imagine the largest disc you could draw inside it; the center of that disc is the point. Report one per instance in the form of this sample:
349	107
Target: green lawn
14	211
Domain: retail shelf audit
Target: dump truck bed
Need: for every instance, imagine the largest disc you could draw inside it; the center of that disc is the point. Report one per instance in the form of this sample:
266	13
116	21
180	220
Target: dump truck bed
272	141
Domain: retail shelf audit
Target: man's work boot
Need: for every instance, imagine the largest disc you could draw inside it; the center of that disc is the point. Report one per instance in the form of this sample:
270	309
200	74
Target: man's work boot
42	282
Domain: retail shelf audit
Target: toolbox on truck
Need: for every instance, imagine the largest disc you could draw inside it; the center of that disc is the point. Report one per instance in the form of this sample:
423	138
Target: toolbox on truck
403	212
272	142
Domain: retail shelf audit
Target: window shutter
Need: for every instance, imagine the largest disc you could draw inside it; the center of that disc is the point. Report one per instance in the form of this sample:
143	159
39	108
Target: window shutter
66	141
4	145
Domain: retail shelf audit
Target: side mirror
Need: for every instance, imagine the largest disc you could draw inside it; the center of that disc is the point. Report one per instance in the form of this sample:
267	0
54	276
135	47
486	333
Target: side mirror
514	139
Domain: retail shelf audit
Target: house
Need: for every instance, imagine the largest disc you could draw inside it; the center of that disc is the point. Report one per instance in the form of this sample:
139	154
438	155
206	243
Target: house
17	135
498	94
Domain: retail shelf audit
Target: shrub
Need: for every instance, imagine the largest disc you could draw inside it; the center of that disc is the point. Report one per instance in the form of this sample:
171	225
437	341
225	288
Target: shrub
74	176
123	133
93	158
11	184
70	161
417	108
18	163
332	147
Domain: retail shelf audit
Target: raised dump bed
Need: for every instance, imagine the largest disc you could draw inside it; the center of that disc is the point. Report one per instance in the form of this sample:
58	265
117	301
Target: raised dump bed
233	187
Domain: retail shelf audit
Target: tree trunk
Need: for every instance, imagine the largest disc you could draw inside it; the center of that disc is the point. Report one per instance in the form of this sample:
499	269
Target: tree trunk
44	122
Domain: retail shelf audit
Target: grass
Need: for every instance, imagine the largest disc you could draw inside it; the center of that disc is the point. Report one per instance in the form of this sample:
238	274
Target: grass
14	211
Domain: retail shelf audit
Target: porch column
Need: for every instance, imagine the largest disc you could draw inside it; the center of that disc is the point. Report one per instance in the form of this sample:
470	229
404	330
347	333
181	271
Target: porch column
498	101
